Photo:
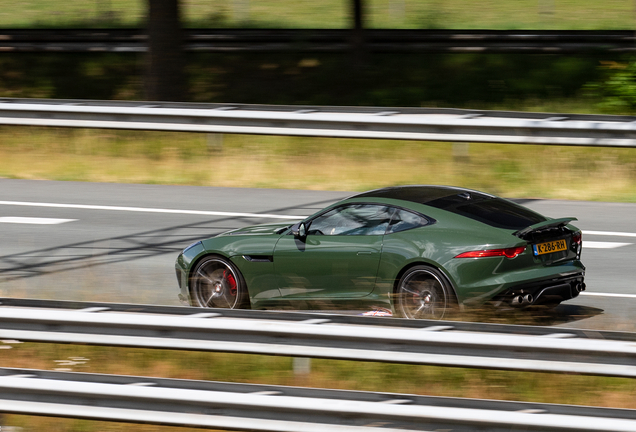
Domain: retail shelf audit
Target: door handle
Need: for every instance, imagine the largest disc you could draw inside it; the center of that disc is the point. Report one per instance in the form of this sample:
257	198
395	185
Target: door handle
364	253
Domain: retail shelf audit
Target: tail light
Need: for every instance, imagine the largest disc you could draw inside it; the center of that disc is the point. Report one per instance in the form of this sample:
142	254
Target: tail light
577	243
507	252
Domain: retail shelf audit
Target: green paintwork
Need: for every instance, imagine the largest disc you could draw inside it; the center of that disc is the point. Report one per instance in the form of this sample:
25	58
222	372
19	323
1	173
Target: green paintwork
321	267
362	270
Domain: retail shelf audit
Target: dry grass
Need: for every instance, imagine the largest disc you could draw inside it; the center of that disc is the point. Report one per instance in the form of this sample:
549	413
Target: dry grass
526	14
316	163
534	387
313	163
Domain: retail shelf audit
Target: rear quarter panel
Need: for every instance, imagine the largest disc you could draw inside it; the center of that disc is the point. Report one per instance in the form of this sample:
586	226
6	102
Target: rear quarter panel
437	245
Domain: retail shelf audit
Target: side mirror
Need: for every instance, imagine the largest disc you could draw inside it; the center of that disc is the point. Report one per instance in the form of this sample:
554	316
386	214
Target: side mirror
299	230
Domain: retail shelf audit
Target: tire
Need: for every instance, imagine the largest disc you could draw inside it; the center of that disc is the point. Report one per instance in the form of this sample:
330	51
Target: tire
423	293
217	283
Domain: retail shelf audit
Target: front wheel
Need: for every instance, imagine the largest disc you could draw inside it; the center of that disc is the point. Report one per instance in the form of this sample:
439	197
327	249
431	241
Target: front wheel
217	283
423	293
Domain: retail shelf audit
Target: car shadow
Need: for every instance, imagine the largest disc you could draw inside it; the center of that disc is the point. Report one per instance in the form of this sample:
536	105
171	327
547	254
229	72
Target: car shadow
105	251
565	313
538	316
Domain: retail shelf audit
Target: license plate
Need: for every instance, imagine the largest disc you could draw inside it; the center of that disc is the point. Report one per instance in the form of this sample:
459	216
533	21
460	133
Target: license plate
549	247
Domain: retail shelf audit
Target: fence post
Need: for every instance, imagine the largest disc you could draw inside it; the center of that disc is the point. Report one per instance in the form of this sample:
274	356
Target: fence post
301	365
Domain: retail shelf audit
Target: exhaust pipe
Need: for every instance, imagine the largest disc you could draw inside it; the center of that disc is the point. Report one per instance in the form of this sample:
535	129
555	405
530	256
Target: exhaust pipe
528	299
580	287
522	300
517	301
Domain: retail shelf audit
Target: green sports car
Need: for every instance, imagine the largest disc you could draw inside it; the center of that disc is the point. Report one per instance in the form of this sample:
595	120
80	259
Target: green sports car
419	251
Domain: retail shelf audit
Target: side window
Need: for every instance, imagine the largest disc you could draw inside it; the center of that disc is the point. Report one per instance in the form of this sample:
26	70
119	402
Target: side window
355	219
405	220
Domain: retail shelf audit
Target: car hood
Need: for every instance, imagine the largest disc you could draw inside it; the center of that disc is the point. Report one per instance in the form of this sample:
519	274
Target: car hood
266	229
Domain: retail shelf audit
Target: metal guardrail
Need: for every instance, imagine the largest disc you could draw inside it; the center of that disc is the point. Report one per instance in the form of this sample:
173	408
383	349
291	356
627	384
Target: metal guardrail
347	122
322	336
277	408
323	40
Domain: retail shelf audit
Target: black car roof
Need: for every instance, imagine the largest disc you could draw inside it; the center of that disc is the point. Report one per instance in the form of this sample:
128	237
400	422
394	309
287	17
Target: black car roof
489	209
421	194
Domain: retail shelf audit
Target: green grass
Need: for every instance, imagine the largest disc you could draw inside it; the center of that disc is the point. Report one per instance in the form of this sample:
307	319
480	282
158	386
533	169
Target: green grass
534	83
312	163
452	14
377	377
520	171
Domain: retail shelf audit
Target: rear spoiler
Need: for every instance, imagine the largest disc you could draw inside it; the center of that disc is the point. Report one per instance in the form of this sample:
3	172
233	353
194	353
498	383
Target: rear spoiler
552	223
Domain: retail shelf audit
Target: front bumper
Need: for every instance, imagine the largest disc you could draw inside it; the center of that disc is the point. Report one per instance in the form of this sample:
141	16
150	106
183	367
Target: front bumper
183	286
182	266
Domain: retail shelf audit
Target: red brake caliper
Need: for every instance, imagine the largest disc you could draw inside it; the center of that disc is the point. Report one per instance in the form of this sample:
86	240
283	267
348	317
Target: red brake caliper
231	281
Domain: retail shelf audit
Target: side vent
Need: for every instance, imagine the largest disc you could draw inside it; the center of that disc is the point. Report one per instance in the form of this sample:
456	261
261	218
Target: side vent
259	258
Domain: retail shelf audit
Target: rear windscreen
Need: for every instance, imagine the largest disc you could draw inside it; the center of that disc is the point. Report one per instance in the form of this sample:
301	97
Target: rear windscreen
496	212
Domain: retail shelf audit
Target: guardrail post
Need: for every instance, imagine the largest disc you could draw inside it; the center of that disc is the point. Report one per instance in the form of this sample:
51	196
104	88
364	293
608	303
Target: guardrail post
301	365
215	142
461	152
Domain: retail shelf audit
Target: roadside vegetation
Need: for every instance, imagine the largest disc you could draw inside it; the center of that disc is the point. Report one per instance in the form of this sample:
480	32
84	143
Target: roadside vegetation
597	174
600	83
379	377
587	83
440	14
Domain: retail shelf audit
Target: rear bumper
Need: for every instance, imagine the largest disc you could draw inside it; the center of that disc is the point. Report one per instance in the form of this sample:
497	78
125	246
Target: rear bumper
544	292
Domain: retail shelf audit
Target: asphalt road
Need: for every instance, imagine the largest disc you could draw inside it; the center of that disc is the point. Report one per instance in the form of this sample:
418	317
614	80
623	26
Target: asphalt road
118	242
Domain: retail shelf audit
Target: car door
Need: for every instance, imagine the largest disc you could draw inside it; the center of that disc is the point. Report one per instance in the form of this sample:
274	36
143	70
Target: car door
338	257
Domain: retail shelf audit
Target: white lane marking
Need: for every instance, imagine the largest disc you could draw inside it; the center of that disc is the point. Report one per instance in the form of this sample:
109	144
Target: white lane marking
609	233
218	213
608	295
603	245
34	221
149	210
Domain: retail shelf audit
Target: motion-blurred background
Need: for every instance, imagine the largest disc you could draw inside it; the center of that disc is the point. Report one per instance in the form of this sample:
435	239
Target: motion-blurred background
162	56
574	76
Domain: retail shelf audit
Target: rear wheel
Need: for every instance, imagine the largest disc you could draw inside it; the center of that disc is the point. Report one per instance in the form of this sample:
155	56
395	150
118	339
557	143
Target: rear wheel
423	293
217	283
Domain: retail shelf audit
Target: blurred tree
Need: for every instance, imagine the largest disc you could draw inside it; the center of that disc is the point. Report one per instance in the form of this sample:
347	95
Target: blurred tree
358	23
357	37
164	80
616	89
